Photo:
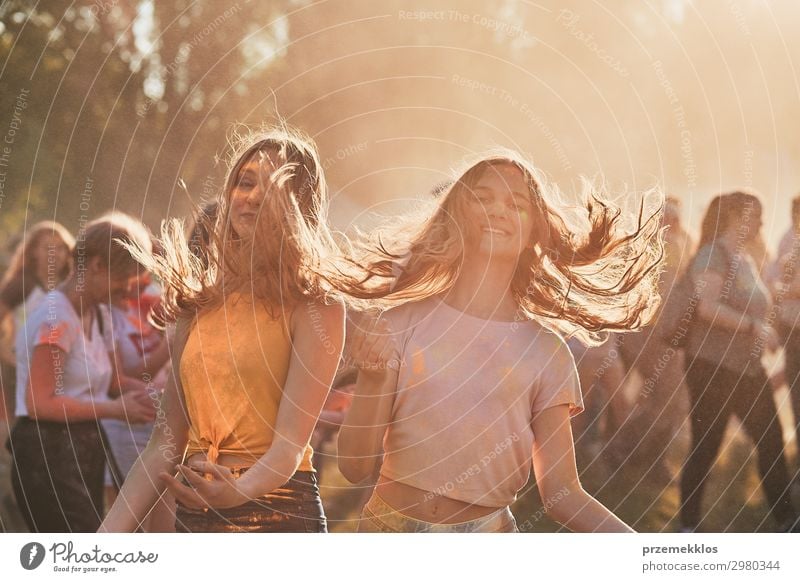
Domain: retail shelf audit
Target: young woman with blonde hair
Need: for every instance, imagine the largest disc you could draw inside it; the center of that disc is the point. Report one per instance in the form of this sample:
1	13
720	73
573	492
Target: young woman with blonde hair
259	336
466	377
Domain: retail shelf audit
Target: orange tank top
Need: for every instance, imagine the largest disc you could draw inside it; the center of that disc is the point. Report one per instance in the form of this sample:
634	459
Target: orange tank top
233	369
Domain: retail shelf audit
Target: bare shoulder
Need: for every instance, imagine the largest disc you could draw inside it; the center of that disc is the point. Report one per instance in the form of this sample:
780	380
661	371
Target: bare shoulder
316	314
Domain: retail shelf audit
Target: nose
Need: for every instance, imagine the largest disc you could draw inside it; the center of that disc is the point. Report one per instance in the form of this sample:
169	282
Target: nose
497	209
255	196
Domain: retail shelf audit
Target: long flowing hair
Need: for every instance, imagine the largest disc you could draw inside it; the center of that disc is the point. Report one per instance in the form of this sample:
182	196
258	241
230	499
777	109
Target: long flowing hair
282	264
726	210
579	274
22	270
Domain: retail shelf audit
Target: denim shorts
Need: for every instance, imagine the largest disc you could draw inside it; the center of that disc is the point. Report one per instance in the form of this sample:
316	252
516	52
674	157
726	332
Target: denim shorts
378	517
295	507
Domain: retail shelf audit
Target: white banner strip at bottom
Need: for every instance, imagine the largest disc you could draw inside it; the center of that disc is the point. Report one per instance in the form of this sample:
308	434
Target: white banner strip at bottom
378	557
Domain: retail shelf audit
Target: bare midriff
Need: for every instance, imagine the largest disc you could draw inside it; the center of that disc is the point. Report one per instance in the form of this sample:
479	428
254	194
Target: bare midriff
224	459
426	505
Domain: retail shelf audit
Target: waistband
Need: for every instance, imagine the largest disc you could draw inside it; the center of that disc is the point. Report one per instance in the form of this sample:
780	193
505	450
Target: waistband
55	424
303	479
392	520
301	490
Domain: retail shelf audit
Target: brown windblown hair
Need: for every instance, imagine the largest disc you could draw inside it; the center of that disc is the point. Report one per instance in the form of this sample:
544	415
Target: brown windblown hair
20	277
725	210
282	265
577	279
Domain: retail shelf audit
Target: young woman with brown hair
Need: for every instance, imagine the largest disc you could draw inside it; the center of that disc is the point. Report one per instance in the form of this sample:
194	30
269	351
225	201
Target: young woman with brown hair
40	262
466	377
64	381
724	373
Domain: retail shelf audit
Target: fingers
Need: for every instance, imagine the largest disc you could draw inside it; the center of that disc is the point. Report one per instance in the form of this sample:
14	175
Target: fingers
137	410
183	494
191	476
374	347
377	354
388	356
356	342
363	337
217	471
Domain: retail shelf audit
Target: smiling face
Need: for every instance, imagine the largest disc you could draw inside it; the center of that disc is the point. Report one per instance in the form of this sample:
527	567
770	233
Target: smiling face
249	191
500	210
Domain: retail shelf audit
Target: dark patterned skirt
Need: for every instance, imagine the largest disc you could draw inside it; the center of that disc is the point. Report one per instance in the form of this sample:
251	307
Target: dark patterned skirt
295	507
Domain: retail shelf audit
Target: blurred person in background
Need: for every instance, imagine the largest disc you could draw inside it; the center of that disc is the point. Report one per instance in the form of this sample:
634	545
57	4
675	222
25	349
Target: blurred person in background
726	341
786	290
661	406
40	262
602	376
142	352
64	381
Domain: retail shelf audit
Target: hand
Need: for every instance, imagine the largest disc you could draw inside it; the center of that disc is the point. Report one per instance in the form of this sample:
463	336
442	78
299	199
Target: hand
219	491
777	380
135	407
768	336
371	348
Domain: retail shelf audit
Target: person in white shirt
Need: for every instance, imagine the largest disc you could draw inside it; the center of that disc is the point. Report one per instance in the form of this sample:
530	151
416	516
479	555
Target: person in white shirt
64	380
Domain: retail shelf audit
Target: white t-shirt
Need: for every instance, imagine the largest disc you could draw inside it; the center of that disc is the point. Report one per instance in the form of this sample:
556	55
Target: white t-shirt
32	301
83	367
467	391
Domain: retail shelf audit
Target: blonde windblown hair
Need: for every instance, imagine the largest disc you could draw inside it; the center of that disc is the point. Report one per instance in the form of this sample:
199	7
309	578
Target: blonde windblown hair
579	275
282	264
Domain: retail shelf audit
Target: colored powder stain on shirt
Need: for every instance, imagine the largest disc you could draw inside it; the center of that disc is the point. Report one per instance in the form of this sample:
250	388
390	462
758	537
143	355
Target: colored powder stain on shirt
53	334
418	363
474	398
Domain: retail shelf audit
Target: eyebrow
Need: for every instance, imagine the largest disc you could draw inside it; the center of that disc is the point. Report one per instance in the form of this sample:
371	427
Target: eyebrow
518	195
249	172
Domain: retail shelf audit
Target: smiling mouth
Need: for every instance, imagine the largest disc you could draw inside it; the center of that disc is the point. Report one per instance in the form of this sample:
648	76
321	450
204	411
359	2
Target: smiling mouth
495	231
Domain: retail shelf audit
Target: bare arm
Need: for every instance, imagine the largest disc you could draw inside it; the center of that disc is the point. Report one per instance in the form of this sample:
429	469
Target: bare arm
360	444
557	476
45	400
317	349
143	487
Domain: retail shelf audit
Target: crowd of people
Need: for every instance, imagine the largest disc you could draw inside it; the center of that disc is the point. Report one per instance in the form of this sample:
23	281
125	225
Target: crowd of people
182	382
